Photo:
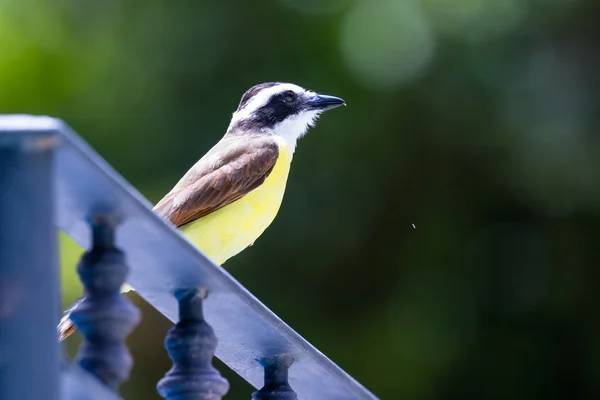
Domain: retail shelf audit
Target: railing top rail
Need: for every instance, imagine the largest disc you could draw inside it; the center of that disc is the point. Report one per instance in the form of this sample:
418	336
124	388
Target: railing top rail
161	259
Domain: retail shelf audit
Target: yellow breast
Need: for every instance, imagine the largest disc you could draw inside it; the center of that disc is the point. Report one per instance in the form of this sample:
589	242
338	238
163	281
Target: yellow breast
229	230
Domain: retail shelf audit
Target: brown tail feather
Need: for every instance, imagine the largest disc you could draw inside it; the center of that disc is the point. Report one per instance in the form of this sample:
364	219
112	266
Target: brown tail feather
66	327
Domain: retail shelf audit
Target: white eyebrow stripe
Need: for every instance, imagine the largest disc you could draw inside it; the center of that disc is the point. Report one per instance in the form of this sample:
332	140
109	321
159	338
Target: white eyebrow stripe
262	98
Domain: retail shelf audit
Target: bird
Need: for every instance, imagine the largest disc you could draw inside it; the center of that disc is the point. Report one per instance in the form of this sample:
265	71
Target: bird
229	197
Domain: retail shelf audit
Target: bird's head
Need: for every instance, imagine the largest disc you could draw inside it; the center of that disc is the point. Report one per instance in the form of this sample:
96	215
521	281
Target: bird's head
283	109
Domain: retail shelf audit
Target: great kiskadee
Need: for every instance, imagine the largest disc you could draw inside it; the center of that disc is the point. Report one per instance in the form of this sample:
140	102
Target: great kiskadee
233	193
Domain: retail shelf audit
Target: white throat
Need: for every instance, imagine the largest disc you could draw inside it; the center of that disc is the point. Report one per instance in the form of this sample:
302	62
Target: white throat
293	128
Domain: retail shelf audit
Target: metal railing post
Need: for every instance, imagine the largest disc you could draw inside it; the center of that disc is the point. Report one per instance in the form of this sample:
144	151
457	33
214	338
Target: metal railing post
29	284
191	344
276	385
106	316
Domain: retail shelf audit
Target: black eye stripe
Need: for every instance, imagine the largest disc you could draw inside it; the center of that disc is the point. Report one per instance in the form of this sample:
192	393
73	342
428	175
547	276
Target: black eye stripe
285	97
278	108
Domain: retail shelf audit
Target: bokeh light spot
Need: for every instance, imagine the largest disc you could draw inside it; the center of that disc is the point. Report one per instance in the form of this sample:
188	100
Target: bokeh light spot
386	43
475	19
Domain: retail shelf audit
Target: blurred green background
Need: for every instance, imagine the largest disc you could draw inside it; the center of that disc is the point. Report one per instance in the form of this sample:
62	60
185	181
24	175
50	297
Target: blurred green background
475	120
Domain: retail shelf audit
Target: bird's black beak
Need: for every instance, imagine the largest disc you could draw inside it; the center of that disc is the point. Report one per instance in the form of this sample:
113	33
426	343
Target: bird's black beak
323	102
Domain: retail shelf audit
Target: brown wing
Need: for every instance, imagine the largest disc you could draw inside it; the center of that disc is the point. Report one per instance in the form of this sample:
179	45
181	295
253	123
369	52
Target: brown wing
233	168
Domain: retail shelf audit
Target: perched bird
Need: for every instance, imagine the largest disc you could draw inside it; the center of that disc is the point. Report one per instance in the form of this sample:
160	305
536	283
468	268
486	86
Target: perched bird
233	193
